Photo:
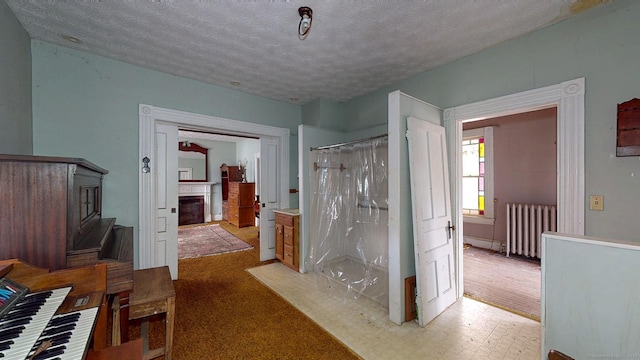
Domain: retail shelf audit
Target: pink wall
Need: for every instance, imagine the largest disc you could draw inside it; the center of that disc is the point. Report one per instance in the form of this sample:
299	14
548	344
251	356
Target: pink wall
524	147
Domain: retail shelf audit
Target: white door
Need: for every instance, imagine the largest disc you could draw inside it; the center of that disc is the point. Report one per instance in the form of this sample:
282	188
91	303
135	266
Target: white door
166	238
269	197
432	234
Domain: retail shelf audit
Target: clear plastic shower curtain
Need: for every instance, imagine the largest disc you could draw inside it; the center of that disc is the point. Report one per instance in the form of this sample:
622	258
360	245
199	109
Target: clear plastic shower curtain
349	237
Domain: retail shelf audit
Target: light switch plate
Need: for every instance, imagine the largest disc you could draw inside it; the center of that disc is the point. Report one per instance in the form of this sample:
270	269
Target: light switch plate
596	202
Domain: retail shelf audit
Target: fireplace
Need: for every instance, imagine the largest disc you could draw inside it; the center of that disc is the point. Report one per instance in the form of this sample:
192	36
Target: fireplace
202	190
190	210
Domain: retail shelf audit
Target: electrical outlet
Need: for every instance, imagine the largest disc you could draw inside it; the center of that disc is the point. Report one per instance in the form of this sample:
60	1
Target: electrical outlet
596	202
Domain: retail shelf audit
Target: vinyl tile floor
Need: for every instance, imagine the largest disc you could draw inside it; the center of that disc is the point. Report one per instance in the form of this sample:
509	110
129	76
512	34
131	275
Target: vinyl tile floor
467	330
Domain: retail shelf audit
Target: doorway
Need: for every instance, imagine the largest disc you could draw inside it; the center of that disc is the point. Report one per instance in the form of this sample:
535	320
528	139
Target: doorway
274	145
518	161
568	98
203	235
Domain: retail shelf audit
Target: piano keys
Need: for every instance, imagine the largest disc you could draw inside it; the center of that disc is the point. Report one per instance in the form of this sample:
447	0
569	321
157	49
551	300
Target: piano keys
68	335
24	323
85	288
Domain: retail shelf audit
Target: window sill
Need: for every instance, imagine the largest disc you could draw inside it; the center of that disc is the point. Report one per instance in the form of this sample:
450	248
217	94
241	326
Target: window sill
478	220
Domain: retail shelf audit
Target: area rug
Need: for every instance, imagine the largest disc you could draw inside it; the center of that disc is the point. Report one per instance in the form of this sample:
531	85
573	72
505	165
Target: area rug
207	240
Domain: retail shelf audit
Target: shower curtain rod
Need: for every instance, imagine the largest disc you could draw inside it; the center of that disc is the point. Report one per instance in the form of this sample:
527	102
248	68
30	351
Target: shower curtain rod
347	143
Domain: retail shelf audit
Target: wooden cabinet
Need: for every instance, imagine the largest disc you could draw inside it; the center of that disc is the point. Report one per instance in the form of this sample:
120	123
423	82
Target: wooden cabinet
240	205
228	174
287	243
51	213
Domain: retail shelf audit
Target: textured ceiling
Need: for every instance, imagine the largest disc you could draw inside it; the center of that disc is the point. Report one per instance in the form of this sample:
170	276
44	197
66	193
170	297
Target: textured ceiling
353	47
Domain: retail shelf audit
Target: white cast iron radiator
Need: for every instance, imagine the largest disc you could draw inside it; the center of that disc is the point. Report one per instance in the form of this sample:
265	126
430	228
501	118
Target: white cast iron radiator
525	225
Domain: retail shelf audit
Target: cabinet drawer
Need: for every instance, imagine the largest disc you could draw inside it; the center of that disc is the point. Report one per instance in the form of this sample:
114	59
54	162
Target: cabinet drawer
233	187
246	215
288	235
233	201
283	219
288	255
279	242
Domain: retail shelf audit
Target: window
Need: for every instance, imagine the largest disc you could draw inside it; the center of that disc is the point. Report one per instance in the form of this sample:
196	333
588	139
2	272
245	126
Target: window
477	175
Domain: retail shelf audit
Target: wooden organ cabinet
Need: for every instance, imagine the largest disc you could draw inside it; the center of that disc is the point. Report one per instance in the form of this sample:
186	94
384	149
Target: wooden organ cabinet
287	239
51	216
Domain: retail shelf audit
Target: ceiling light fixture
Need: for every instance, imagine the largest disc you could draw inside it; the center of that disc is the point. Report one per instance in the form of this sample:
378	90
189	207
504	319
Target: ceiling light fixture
306	17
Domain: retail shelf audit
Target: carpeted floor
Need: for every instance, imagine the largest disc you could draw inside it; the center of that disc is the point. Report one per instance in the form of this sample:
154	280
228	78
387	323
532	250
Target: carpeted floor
512	283
205	240
222	312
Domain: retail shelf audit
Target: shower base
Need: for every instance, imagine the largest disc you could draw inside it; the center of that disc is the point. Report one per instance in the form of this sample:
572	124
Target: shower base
369	280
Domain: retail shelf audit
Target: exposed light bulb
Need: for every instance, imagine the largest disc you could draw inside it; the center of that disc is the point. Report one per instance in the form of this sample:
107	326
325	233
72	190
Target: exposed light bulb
306	17
305	22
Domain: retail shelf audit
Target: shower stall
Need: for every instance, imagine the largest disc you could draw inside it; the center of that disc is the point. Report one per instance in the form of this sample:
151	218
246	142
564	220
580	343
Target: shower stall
349	240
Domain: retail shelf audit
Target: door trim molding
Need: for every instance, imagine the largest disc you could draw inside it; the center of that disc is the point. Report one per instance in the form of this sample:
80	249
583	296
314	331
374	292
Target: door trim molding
568	98
148	116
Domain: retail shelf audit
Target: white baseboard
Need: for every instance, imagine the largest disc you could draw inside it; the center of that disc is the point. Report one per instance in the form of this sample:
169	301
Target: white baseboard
483	243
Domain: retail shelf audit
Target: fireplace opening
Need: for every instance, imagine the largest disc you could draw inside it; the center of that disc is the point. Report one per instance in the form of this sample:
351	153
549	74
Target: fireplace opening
190	210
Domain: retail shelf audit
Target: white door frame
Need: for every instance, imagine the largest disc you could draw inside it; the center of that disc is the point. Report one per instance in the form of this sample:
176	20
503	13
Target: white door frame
568	98
148	116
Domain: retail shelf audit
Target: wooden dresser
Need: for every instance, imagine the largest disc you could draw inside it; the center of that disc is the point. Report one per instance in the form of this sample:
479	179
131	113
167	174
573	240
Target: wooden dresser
228	174
287	237
241	211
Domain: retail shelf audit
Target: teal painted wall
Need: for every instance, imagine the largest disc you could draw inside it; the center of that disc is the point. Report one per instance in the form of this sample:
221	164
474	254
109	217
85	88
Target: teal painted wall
16	135
602	46
87	106
326	114
246	150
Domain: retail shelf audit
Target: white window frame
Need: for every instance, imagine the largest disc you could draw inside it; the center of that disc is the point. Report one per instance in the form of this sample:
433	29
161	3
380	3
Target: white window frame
488	218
